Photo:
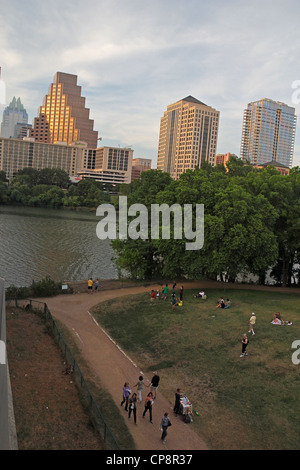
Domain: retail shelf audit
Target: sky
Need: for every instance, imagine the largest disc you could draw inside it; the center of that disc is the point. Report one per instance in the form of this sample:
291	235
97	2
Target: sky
134	58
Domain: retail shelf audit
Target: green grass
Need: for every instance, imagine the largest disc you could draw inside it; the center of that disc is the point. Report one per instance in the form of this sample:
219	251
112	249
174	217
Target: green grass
243	403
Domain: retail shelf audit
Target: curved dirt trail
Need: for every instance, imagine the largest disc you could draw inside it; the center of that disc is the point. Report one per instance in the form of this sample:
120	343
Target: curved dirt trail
113	368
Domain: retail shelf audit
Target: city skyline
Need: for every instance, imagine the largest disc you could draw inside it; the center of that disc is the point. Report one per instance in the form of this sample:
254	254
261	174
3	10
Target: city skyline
133	59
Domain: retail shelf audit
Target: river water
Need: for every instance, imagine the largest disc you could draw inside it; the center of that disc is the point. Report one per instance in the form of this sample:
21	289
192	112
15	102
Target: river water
62	244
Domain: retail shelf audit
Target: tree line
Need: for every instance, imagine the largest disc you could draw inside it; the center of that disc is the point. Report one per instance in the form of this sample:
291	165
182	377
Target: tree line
51	187
251	225
251	218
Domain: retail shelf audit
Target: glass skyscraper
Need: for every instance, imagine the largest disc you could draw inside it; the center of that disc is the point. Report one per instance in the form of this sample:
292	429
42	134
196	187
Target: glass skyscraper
13	114
268	133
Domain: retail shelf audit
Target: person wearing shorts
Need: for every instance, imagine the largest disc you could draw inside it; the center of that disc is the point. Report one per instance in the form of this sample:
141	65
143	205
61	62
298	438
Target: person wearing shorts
90	286
154	384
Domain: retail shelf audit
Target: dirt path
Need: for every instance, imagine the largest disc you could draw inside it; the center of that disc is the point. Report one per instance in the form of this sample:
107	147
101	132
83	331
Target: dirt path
114	368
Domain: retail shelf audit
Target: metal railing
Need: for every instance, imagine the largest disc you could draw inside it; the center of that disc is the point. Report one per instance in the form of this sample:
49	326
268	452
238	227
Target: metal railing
73	368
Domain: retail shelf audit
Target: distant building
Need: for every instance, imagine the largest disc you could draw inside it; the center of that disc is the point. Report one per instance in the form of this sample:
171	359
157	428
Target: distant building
112	165
268	133
139	165
284	170
222	159
22	130
188	136
13	114
16	154
63	116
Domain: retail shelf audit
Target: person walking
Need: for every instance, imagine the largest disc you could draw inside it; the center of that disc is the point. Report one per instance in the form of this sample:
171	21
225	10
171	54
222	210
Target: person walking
165	423
177	401
154	384
165	293
148	405
132	407
252	323
245	342
126	393
140	386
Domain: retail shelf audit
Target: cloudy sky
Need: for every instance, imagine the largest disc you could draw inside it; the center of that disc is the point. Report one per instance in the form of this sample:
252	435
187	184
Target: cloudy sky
134	57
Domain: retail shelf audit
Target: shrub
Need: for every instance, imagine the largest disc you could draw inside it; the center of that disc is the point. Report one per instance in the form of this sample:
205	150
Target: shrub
47	287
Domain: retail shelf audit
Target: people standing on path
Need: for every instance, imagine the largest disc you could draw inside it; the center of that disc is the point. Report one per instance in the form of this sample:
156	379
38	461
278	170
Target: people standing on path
148	405
132	407
165	423
90	286
96	285
154	384
245	342
177	401
140	386
252	323
126	393
152	297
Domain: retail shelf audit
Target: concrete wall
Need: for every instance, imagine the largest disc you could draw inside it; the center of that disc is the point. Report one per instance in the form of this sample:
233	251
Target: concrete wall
8	439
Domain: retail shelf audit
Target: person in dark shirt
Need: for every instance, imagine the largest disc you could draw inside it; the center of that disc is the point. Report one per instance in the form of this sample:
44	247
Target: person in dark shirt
154	384
177	401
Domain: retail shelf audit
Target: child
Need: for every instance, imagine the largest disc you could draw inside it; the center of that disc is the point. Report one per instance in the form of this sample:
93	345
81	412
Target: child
152	296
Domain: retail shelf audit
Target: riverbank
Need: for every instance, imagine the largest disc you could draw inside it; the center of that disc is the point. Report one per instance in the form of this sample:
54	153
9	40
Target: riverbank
111	284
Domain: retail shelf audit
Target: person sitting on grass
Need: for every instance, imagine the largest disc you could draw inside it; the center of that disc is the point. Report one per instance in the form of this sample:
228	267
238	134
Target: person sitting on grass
227	304
220	303
200	295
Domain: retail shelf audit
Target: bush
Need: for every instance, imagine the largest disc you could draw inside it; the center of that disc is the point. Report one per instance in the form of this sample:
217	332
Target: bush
13	292
46	288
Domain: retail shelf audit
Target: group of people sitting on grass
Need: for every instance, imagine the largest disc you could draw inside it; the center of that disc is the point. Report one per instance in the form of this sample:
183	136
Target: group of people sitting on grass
278	320
223	304
220	304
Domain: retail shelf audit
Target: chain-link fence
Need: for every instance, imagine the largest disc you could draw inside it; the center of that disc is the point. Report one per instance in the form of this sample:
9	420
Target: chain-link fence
73	368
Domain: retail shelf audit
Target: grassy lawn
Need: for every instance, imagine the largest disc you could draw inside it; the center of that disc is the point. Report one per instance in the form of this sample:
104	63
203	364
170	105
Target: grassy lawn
243	403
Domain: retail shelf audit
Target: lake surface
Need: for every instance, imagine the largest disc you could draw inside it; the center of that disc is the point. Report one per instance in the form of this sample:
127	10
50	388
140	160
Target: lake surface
62	244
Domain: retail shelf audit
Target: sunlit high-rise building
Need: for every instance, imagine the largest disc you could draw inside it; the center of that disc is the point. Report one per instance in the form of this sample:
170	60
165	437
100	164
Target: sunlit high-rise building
188	136
63	116
268	133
